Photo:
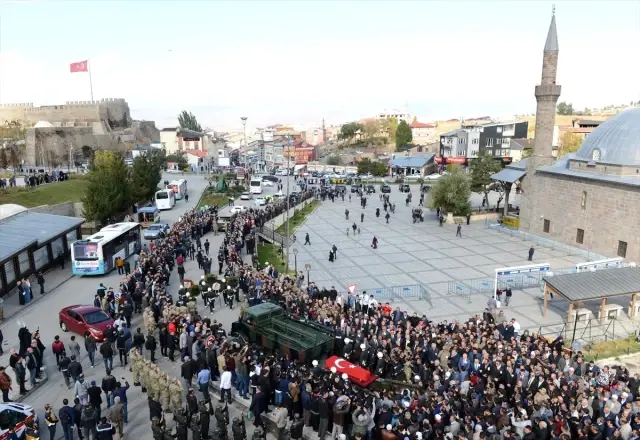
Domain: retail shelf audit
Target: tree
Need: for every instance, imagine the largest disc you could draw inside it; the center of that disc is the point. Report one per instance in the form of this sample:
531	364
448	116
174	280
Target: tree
176	158
451	192
146	174
4	158
370	129
391	126
14	156
482	168
403	134
569	143
376	168
364	166
564	108
528	152
188	120
334	160
349	131
109	191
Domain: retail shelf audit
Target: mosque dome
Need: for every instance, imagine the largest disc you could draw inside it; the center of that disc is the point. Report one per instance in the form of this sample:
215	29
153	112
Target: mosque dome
43	124
9	209
615	141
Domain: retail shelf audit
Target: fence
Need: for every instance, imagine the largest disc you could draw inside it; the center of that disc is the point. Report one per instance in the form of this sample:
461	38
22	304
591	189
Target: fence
393	293
588	331
272	236
541	241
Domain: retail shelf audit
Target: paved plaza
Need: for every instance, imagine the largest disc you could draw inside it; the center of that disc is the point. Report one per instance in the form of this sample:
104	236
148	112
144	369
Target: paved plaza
420	253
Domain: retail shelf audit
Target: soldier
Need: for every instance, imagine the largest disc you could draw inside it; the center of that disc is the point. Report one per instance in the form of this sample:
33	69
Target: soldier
180	417
152	324
195	427
135	367
165	393
205	418
175	394
144	365
145	318
220	434
222	416
154	382
238	429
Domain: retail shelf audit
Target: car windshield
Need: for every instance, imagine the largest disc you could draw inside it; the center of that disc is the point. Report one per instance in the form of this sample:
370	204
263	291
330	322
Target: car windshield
95	317
156	226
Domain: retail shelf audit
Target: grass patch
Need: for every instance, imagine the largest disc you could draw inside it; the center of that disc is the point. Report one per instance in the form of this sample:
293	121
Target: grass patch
212	198
270	253
298	218
611	349
72	190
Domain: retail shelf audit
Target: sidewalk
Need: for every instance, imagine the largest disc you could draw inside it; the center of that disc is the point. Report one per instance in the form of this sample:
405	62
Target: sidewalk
53	279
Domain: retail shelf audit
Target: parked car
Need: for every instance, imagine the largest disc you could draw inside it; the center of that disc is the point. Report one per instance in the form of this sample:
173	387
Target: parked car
370	189
356	187
245	196
85	320
385	189
156	231
434	176
261	201
279	195
405	188
237	208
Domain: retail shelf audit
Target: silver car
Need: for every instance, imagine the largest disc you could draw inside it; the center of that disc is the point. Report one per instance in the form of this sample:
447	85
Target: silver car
155	231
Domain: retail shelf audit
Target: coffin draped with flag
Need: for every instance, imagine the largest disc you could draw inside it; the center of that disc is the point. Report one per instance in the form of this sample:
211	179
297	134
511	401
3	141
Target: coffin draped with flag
357	375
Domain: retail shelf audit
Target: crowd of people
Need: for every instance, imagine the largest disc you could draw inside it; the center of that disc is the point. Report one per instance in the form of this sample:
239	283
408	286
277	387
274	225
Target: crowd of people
480	378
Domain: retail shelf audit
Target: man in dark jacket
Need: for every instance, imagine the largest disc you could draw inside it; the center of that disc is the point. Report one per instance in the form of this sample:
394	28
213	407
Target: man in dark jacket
77	416
95	397
109	386
90	419
138	340
259	404
187	371
66	416
106	350
297	426
151	345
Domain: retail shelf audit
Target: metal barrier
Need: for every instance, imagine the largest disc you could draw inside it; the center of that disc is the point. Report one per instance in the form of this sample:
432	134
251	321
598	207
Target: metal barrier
552	244
486	285
272	236
392	293
458	288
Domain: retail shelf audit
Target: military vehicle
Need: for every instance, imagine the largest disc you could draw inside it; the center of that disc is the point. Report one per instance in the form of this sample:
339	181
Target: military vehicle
268	325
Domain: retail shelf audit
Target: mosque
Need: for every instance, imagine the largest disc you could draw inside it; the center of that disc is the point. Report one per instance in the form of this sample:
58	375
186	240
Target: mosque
588	199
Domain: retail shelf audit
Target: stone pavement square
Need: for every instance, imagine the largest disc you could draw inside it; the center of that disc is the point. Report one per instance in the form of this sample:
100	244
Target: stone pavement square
421	253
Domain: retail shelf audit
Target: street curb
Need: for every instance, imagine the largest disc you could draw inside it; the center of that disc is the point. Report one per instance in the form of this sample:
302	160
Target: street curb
21	397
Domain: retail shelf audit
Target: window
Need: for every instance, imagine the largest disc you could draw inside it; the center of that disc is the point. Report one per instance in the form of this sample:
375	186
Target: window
622	249
506	141
580	236
489	142
499	129
583	201
547	226
475	140
596	155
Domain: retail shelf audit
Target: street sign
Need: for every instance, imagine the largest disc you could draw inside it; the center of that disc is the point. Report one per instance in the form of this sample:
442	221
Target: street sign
351	288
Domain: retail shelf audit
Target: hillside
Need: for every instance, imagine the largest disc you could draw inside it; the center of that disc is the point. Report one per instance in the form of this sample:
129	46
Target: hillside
445	126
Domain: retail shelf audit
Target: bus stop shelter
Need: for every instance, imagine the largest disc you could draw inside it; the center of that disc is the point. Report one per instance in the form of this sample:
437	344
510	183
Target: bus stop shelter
594	285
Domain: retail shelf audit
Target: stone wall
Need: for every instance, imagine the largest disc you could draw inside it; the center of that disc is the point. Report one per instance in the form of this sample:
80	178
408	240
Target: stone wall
611	213
111	109
68	209
60	140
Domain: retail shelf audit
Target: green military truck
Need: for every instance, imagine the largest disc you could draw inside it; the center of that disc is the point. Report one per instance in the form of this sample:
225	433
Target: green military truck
268	325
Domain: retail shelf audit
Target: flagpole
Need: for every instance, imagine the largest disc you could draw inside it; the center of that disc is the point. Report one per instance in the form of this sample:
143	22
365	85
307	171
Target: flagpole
90	82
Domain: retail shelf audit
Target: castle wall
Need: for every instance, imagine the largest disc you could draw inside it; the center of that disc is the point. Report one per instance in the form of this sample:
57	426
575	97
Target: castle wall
82	111
611	213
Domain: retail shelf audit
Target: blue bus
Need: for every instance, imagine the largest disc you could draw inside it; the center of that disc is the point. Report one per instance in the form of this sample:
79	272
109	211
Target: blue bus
96	255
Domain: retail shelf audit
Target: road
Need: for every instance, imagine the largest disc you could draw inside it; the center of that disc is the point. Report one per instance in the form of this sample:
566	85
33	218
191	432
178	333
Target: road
81	290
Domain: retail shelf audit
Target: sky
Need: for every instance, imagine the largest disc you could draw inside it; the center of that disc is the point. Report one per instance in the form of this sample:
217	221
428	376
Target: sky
300	61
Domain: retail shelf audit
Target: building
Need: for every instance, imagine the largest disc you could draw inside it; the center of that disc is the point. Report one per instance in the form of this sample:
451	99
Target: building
300	154
590	198
422	165
273	155
579	127
392	113
31	241
423	134
141	150
196	158
175	140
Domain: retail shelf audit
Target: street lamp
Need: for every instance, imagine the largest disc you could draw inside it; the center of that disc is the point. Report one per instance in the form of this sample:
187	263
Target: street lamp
308	268
273	230
295	259
288	198
244	129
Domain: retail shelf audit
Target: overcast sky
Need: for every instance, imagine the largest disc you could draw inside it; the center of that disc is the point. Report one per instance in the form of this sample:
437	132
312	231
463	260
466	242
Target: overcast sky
299	61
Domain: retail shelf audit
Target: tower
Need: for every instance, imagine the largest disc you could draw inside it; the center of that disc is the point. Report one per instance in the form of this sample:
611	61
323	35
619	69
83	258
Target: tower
547	94
324	132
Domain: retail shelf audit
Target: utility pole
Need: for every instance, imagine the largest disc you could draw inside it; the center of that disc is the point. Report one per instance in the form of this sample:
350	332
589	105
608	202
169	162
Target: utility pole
288	198
324	133
244	128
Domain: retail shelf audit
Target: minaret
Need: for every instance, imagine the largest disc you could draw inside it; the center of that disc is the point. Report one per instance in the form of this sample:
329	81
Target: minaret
324	132
547	93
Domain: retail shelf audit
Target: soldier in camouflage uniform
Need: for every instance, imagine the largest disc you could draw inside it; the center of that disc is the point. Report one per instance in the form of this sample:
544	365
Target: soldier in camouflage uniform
144	365
135	367
154	383
175	395
145	318
165	393
152	324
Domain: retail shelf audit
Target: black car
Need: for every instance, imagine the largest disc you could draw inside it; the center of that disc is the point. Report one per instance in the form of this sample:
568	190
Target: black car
355	187
405	188
385	189
370	189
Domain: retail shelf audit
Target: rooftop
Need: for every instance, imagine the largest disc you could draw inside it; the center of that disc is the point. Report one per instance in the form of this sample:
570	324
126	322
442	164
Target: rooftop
586	286
552	36
521	144
197	153
19	231
421	125
412	161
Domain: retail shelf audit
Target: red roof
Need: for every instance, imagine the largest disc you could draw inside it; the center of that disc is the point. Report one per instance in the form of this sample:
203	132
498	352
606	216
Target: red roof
197	153
421	125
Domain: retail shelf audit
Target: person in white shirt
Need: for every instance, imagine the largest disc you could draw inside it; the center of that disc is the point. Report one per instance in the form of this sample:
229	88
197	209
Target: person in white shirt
225	385
516	326
373	303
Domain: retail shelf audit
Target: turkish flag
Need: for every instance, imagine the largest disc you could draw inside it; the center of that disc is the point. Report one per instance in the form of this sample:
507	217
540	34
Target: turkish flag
356	374
80	66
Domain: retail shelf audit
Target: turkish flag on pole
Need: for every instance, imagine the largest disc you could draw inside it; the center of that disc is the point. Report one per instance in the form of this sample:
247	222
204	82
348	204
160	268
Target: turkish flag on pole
356	374
80	66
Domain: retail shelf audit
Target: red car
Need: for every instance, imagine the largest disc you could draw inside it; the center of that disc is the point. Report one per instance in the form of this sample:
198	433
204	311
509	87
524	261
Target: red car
85	320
